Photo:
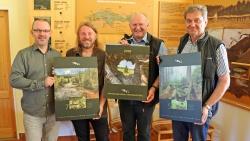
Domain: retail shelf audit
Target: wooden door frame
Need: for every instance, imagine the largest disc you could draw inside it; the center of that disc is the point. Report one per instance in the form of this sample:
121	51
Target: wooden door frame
10	89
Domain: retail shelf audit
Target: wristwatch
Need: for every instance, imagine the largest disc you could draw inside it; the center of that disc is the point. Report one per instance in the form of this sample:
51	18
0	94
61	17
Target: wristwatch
207	106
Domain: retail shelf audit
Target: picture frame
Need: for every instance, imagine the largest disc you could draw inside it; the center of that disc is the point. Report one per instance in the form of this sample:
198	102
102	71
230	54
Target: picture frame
237	41
235	95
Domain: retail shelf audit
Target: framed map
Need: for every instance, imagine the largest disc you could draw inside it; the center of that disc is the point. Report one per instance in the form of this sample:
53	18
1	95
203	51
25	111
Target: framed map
112	17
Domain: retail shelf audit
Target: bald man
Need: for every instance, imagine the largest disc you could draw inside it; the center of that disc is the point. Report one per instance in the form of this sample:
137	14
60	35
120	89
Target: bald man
139	113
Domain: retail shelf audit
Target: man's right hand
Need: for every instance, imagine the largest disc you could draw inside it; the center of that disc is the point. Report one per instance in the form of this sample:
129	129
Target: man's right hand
158	59
124	42
49	81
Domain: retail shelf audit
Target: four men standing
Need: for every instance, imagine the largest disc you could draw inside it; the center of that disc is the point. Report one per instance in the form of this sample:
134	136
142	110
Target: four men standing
32	72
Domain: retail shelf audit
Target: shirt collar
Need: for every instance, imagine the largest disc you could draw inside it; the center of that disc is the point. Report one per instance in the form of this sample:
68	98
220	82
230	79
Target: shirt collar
143	41
36	48
202	36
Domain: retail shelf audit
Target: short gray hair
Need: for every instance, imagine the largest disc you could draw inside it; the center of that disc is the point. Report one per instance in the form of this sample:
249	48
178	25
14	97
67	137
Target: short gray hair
196	7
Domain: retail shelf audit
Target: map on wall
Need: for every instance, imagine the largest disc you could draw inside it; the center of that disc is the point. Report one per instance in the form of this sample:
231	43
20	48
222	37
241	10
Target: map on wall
112	17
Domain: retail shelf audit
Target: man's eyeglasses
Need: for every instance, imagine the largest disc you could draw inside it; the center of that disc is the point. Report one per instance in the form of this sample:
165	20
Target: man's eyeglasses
41	30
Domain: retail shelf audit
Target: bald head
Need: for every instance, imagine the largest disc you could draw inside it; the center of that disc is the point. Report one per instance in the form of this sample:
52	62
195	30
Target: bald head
139	16
139	26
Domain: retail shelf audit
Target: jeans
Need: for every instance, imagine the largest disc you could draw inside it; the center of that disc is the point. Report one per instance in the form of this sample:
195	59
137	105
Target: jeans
40	128
100	127
198	132
136	114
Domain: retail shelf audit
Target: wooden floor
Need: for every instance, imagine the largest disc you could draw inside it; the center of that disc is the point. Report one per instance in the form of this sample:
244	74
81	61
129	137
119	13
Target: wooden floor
113	137
59	139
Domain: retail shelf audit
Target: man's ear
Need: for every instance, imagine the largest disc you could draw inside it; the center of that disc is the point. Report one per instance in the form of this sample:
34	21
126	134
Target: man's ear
206	22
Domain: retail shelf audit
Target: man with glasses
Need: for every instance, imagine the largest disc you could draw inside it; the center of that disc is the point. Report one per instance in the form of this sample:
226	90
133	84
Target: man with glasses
215	71
32	72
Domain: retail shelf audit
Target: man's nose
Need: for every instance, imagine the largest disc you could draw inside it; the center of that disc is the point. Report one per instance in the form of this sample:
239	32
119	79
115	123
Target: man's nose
137	27
86	36
192	23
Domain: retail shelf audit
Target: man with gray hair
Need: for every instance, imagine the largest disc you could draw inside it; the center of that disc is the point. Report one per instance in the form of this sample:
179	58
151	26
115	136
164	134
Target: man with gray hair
215	71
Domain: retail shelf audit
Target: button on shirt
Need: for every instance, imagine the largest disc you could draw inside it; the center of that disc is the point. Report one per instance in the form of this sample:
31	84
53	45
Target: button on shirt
221	55
144	41
29	70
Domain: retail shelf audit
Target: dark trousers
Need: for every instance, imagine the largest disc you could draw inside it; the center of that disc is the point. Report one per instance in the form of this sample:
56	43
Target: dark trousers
100	127
136	114
181	131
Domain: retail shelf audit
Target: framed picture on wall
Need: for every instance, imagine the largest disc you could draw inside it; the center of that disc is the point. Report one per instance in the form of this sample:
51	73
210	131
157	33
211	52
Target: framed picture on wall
237	42
41	4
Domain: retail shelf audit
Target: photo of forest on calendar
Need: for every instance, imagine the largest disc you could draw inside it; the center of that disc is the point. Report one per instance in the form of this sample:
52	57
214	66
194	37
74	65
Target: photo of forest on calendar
181	87
76	88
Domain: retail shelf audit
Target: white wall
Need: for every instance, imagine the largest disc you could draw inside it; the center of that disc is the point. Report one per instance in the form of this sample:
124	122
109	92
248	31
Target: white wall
18	35
231	123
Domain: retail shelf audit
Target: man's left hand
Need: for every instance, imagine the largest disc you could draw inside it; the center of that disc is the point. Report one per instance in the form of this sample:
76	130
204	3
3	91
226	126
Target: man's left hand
151	95
100	113
204	116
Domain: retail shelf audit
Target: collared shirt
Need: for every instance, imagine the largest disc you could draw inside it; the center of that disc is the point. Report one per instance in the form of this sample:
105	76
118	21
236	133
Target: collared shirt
29	70
221	55
144	41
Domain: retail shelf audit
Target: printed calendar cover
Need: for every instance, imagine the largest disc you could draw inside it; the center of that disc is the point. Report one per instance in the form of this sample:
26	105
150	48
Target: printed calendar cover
181	87
126	70
76	88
